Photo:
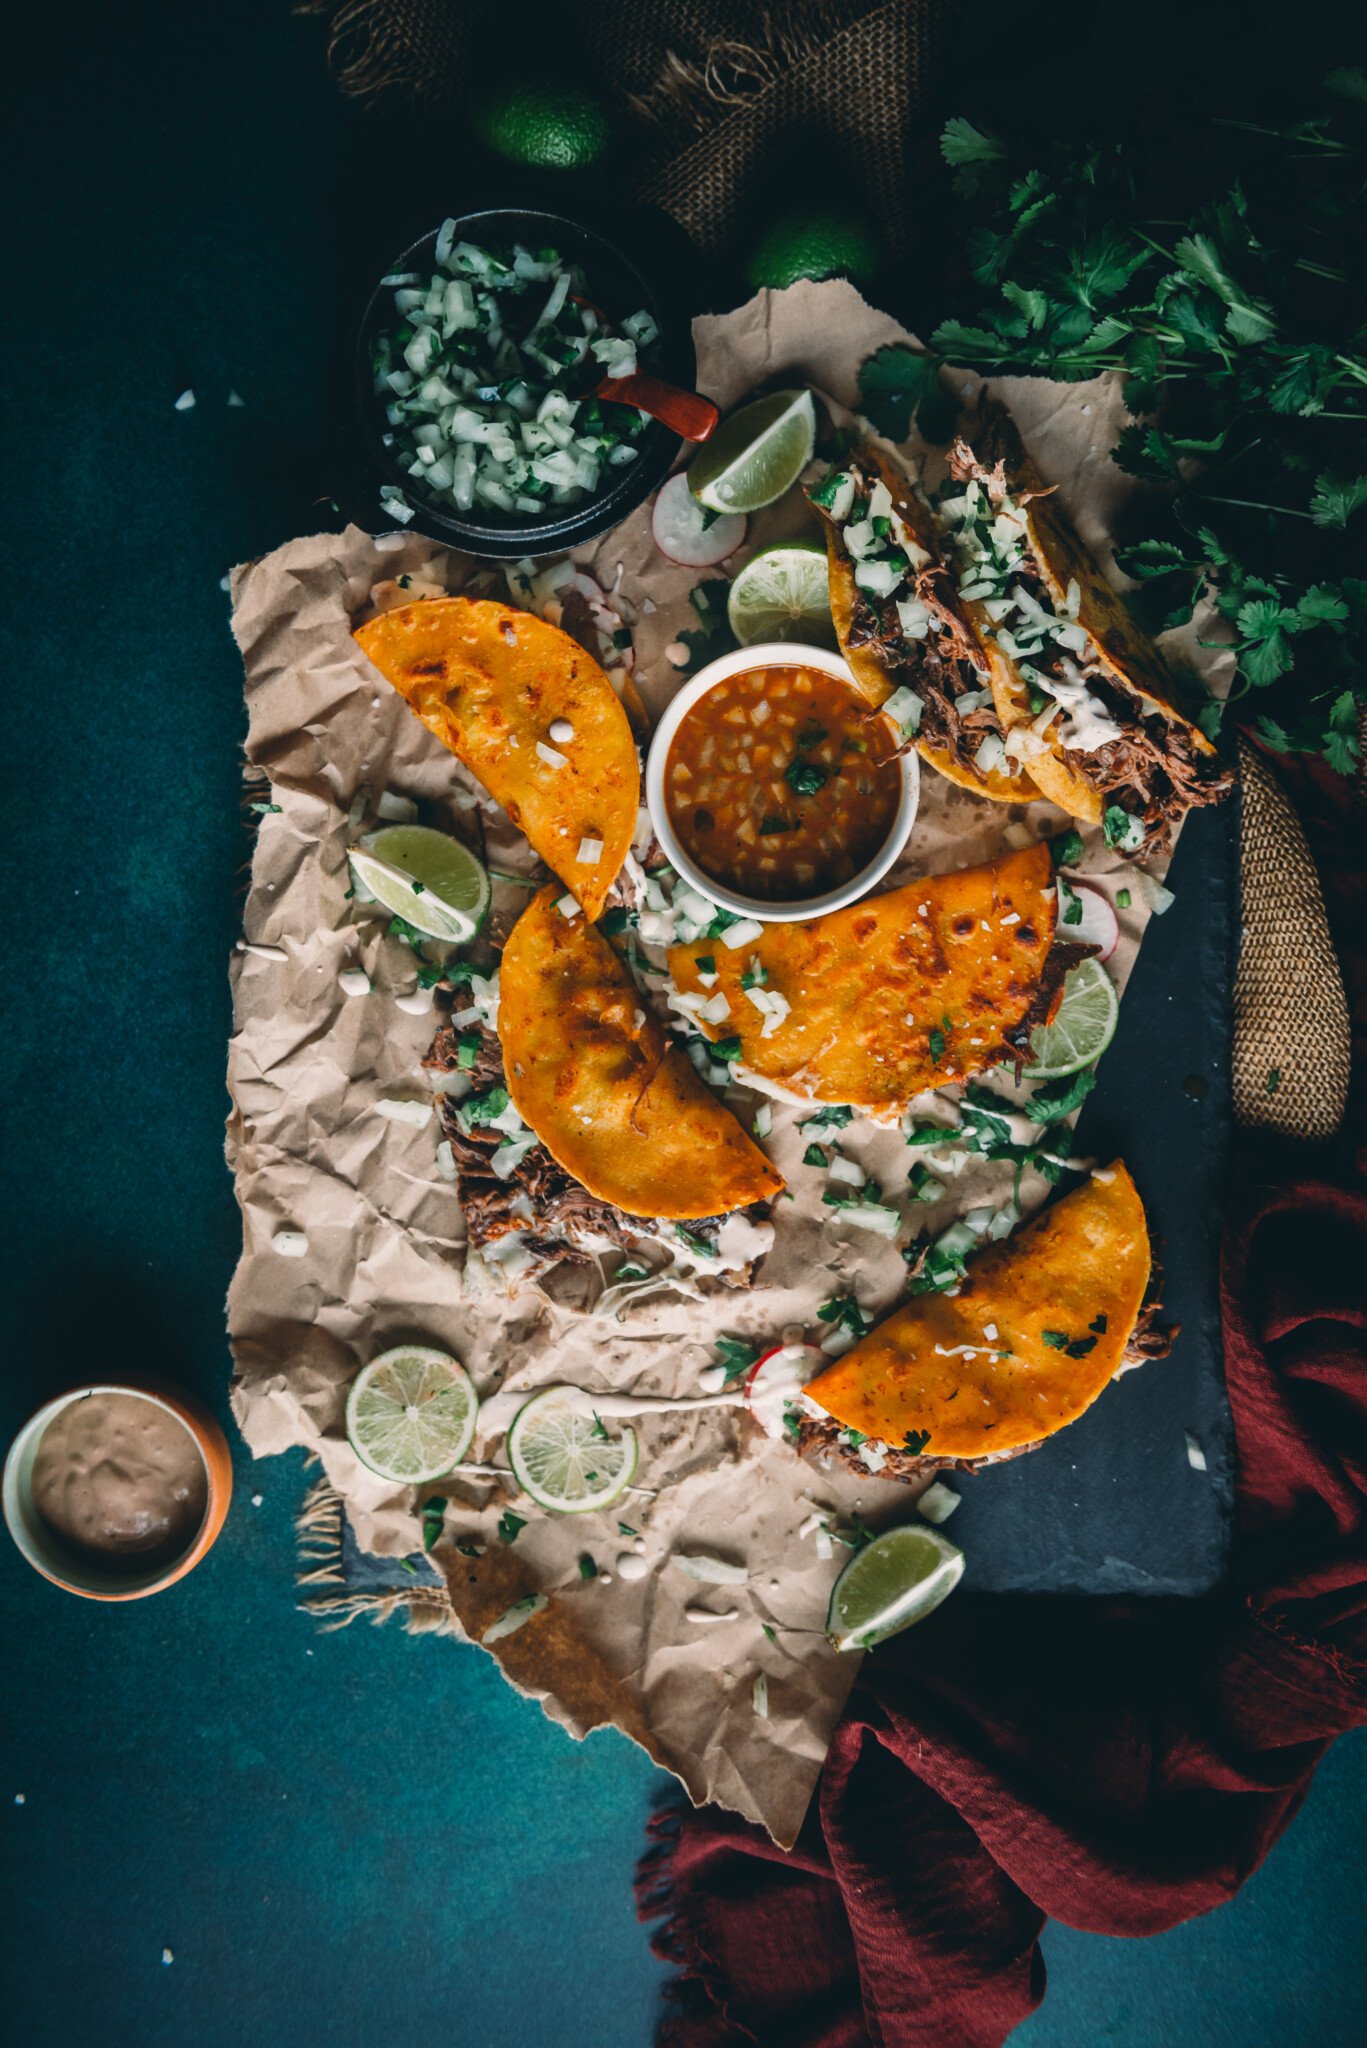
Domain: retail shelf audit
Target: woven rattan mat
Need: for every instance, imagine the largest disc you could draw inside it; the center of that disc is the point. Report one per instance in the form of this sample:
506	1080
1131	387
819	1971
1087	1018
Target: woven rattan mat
720	96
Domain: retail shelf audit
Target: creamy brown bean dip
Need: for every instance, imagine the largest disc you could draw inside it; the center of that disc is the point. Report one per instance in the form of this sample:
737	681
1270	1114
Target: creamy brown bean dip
121	1480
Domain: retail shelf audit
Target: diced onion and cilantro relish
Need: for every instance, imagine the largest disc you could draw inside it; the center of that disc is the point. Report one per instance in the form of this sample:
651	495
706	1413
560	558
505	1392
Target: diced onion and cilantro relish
478	378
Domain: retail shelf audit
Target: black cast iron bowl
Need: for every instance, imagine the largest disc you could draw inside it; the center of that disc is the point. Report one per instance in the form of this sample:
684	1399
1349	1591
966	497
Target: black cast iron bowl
620	283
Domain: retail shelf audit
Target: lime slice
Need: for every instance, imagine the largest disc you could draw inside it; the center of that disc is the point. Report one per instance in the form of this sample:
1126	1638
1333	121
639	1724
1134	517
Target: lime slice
410	1414
1083	1028
784	593
563	1458
756	455
897	1579
425	877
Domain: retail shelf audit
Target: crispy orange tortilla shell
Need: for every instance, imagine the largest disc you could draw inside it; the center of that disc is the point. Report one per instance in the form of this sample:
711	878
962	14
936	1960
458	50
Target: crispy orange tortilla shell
863	663
1085	1258
602	1085
874	989
490	682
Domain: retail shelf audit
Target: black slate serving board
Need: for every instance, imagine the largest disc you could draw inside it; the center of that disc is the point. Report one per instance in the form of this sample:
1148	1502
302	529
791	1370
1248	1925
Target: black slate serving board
1113	1504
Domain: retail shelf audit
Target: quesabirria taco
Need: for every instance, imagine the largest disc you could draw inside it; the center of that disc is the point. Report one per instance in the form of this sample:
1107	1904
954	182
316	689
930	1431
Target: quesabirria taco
532	716
583	1129
903	629
1086	701
925	985
1028	1338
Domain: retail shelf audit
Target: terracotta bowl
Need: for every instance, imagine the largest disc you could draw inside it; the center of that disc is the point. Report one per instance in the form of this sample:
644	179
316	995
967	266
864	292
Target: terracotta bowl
76	1572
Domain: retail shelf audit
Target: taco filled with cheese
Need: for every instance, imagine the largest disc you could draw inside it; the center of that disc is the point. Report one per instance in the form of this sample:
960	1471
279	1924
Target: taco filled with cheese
1028	1337
533	716
926	985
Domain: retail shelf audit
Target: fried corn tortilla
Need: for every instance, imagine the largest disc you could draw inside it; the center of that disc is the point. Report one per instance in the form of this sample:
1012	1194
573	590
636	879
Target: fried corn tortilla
491	682
598	1079
928	984
1060	1297
1142	752
941	666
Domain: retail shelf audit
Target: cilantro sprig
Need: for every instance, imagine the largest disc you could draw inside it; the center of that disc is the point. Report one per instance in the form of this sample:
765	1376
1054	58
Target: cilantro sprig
1226	290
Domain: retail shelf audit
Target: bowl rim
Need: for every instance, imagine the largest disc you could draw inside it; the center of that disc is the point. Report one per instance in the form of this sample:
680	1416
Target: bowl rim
578	524
62	1566
770	654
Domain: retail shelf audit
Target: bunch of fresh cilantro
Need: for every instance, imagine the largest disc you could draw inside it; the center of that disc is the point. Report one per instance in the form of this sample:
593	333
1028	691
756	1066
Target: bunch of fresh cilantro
1237	322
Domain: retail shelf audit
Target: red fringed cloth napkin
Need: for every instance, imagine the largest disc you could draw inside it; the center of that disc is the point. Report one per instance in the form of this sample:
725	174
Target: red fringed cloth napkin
1116	1767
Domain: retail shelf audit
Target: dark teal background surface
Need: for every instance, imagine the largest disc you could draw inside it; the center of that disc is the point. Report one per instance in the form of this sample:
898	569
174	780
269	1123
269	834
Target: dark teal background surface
351	1839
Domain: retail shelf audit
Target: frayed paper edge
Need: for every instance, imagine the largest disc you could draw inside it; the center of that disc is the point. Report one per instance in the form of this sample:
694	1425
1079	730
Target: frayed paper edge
426	1610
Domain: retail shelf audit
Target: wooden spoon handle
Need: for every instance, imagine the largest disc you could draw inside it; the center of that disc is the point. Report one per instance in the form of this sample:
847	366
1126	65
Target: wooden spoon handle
686	413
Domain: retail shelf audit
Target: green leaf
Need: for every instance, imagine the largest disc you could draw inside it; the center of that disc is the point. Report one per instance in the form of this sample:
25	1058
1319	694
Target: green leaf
892	384
433	1516
1276	735
968	344
728	1049
1337	498
1200	258
845	1313
737	1355
587	1568
915	1441
1321	607
1145	452
1263	617
1341	748
833	1117
806	777
962	143
1152	558
1103	266
1267	659
814	1156
1065	848
1033	305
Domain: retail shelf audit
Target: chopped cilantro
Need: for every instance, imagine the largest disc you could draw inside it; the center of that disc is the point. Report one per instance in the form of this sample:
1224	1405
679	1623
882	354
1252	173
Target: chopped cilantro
722	922
1065	849
736	1355
706	963
467	1049
844	1311
510	1526
1057	1340
769	826
915	1441
587	1568
622	637
599	1426
1099	1325
1080	1346
806	777
631	1270
925	1133
814	1156
811	733
470	1549
1123	899
1058	1099
265	810
792	1421
937	1047
482	1109
697	1245
433	1516
1117	825
625	1529
833	1117
1072	906
754	977
615	921
768	1632
824	493
728	1049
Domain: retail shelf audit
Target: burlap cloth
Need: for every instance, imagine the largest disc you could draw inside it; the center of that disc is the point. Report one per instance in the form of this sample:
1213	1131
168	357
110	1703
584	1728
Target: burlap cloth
725	101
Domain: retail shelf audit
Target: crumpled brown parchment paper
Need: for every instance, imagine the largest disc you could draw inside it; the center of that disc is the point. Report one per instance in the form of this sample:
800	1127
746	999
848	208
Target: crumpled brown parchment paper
315	1160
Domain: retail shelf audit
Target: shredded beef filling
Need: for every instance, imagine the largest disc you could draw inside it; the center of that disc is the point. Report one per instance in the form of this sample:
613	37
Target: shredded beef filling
1154	770
940	668
538	1198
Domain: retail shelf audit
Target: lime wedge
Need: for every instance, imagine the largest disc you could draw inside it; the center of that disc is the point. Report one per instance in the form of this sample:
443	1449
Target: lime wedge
756	455
897	1579
410	1414
425	877
563	1457
1083	1028
784	593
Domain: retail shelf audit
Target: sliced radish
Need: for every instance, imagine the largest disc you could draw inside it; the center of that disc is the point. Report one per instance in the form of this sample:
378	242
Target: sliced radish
778	1378
1098	926
680	532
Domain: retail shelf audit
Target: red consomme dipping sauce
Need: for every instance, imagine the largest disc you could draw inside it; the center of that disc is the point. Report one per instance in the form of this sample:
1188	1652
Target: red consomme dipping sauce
782	783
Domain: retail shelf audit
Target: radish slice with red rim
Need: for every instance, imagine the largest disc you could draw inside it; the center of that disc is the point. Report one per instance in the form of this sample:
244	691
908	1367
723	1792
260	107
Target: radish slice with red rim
1095	926
778	1378
687	533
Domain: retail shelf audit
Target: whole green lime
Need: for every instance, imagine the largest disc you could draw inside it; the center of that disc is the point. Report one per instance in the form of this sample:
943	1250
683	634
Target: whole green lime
551	127
822	241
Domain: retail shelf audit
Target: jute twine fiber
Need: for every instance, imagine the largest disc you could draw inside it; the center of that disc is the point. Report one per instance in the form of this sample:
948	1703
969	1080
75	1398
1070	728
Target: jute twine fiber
725	97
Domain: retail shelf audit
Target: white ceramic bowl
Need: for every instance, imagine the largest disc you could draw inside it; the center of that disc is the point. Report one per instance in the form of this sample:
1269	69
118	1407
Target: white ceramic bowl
769	654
